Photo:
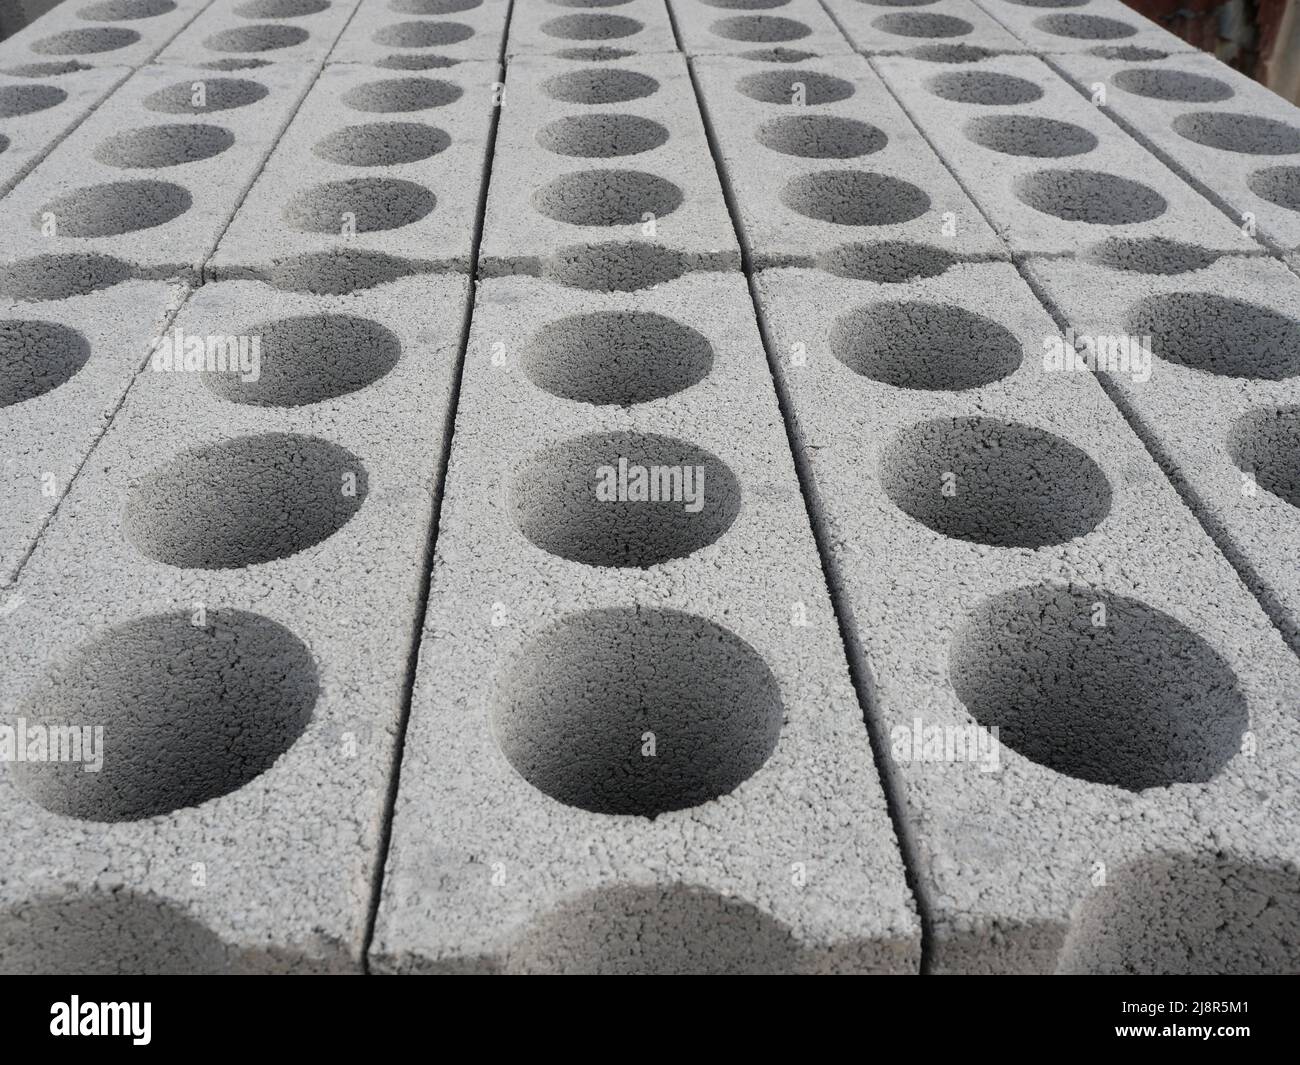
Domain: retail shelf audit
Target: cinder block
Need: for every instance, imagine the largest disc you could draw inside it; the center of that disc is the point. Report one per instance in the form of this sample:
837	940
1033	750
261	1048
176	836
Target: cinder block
598	154
1097	27
380	173
1230	137
231	590
153	177
819	155
1050	171
84	33
773	30
248	34
577	31
1009	555
940	30
633	718
423	34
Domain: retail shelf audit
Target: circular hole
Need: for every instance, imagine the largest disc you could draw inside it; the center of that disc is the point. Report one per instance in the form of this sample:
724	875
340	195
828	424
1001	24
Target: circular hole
116	208
595	54
4	142
1152	255
85	41
624	499
922	24
778	54
17	100
1085	27
606	197
1127	53
854	198
157	146
746	5
983	87
219	94
382	144
788	86
46	70
932	346
621	357
1050	3
950	53
243	501
308	359
281	8
1043	138
760	28
1172	85
901	3
1266	443
597	3
820	136
614	266
1249	134
432	7
372	203
401	94
591	27
412	61
336	272
600	86
1090	196
423	34
1137	702
125	10
601	136
1279	185
1219	335
36	357
235	63
886	262
265	38
707	697
188	712
56	277
994	482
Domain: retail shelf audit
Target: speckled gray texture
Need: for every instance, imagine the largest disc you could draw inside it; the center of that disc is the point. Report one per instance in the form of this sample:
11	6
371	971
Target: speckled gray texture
943	30
547	27
99	33
1094	26
257	851
234	34
771	849
843	166
419	35
1143	813
753	29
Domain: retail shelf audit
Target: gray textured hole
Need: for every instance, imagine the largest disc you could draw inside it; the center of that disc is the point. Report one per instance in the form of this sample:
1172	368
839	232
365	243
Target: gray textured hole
591	27
220	94
1127	53
606	197
600	86
18	100
746	5
232	63
1280	185
281	8
599	53
1172	85
423	34
51	69
262	38
994	482
708	697
601	136
820	136
189	713
4	142
597	3
902	3
983	87
932	346
561	499
622	357
1090	196
1032	135
1266	442
854	198
950	53
115	208
56	277
1150	255
415	61
616	266
922	24
335	272
36	357
434	7
86	41
381	144
1232	132
1219	335
1085	27
159	146
1138	702
760	29
402	94
886	261
374	203
786	86
777	54
1050	3
125	10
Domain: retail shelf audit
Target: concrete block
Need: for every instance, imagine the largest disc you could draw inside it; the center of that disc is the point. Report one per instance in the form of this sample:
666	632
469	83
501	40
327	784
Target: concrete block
608	154
819	155
633	718
954	31
1050	171
90	33
248	34
578	31
423	34
245	558
153	177
1009	556
380	173
1097	27
769	30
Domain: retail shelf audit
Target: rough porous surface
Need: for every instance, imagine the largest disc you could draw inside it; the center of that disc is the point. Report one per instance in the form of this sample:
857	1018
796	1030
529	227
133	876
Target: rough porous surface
419	35
634	27
1094	27
125	34
946	31
757	29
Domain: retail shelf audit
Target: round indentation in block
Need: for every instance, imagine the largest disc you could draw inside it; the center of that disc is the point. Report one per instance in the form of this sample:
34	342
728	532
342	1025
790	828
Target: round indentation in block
262	38
18	100
1149	255
1050	3
916	344
746	5
1232	132
415	61
994	482
423	34
854	198
596	53
115	208
159	146
794	87
36	357
402	94
4	142
614	266
601	136
336	272
281	8
960	52
599	86
767	29
52	69
1279	185
56	277
381	144
235	62
591	27
1266	442
597	3
86	41
216	94
244	501
607	197
188	712
622	357
433	7
886	261
623	499
574	708
1090	196
1180	85
1127	53
820	136
1219	335
1098	687
922	24
901	3
983	87
125	10
1033	135
371	204
1085	27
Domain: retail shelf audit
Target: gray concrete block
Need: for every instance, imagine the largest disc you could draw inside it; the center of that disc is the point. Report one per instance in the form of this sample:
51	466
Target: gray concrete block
940	30
153	177
248	34
1097	27
423	34
819	155
613	153
578	31
1230	137
1051	172
86	33
381	172
733	820
248	558
780	30
1009	555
